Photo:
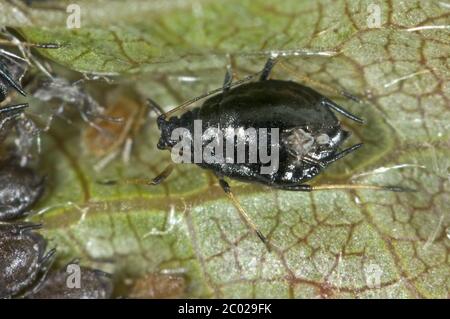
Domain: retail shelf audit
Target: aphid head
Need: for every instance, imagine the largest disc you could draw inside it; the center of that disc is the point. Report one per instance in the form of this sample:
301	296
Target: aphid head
166	127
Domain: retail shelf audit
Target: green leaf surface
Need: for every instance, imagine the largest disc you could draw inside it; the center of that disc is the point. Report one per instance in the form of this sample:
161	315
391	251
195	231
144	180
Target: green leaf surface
330	244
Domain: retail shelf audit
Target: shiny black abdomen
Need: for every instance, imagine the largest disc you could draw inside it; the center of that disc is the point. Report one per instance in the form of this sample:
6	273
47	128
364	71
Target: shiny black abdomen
272	103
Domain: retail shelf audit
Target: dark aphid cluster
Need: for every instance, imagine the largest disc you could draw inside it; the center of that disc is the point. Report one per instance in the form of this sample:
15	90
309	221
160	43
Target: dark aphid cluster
26	269
25	263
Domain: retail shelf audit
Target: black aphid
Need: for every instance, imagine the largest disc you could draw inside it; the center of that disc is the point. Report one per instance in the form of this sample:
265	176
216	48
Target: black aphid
62	284
310	134
23	262
20	188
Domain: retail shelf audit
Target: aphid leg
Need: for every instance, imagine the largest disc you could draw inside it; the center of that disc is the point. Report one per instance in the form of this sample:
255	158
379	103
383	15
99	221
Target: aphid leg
228	79
15	109
268	68
23	228
48	259
309	188
313	161
162	176
342	111
227	189
4	74
144	181
343	153
391	188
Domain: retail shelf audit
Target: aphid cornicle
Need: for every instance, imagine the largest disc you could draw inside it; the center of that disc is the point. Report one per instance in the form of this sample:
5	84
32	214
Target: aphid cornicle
310	134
